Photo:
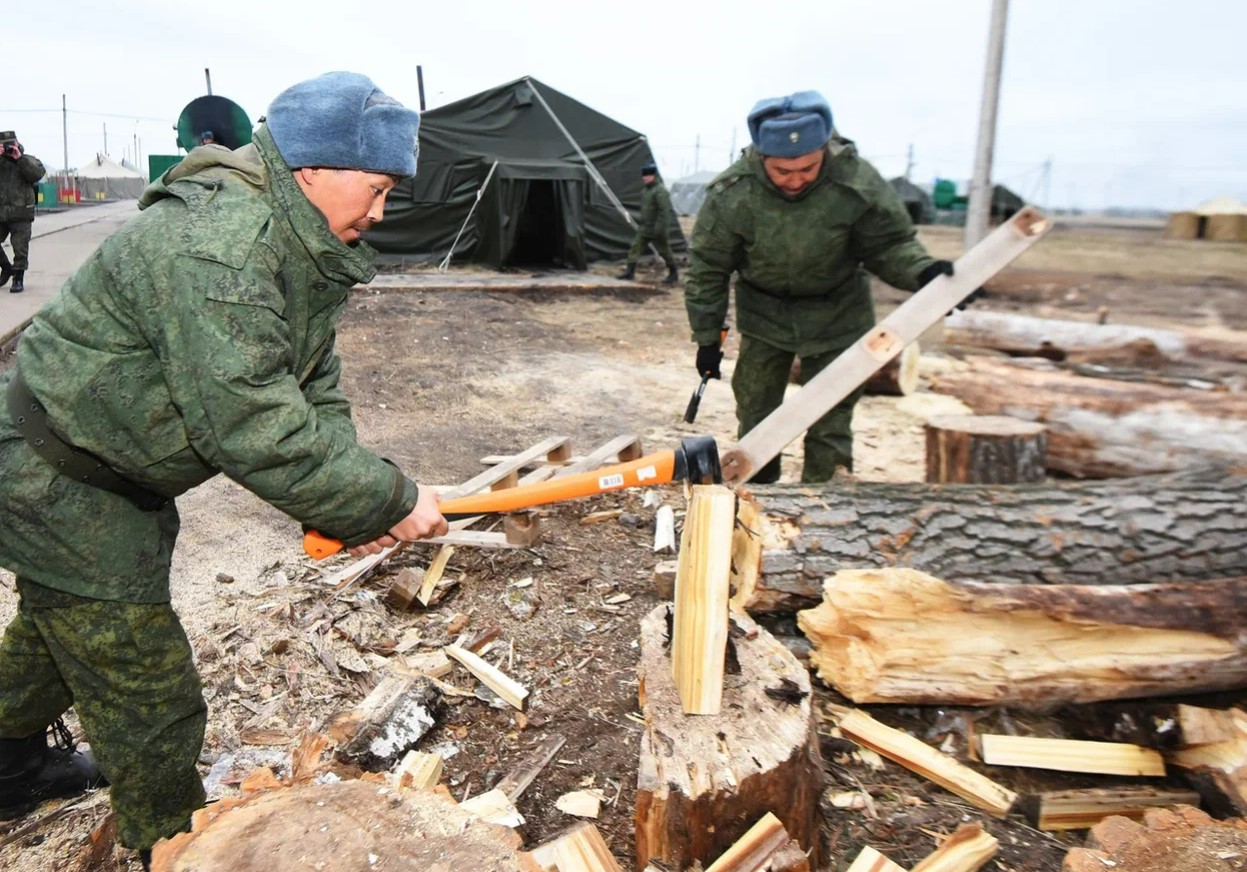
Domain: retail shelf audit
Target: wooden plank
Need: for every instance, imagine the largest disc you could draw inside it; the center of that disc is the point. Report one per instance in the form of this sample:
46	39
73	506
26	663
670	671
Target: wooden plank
510	690
917	756
434	573
966	850
751	851
1071	755
866	356
702	591
1058	810
517	780
620	449
501	471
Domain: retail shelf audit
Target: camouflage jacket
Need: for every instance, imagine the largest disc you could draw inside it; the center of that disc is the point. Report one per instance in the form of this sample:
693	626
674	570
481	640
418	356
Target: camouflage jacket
655	210
17	187
800	263
199	339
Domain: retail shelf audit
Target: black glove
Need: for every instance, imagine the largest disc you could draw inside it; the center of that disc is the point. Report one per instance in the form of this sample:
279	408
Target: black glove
945	268
708	359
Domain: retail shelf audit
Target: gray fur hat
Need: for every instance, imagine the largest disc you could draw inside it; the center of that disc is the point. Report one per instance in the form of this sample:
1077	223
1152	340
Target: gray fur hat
343	120
790	126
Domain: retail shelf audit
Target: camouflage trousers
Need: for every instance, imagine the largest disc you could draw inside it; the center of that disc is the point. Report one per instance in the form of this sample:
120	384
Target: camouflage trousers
640	244
18	234
126	668
759	381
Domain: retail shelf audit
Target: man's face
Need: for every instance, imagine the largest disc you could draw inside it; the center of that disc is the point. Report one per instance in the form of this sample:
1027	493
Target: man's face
649	179
351	200
792	175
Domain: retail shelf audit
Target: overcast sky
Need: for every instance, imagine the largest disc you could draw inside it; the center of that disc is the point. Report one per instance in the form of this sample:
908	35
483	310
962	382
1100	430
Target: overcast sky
1134	102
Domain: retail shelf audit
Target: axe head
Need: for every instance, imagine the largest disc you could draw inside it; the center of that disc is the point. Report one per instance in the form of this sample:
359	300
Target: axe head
697	461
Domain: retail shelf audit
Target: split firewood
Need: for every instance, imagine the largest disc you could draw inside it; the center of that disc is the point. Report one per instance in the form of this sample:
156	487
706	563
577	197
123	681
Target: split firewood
752	851
789	858
664	579
580	849
702	591
522	528
966	850
1182	839
405	588
387	723
1218	770
315	823
581	803
870	860
1154	529
701	779
1028	646
434	573
1106	428
1163	726
598	517
511	691
1070	755
517	780
417	770
493	807
919	757
1057	810
664	530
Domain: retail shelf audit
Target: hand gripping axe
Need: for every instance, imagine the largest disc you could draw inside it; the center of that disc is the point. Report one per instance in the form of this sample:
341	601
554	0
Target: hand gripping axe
695	461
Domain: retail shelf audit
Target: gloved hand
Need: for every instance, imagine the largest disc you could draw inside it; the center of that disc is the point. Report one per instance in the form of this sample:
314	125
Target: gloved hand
708	359
945	268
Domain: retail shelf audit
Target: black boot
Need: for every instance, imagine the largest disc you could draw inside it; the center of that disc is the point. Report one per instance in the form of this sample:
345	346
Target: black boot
673	275
146	858
628	274
19	281
6	270
31	772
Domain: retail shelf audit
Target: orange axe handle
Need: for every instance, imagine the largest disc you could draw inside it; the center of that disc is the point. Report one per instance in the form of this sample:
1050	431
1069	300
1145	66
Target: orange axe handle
697	459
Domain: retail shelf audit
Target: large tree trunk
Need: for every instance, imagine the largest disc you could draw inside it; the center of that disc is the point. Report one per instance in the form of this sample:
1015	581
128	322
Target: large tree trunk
1179	527
1061	340
901	636
704	780
1103	428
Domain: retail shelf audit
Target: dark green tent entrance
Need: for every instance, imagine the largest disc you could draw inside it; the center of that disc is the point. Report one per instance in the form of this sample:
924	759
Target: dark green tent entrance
502	177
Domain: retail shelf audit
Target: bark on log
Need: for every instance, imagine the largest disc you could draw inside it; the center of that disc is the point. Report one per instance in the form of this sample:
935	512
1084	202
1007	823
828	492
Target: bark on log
1181	527
704	780
985	449
1027	336
335	827
898	378
1105	428
900	636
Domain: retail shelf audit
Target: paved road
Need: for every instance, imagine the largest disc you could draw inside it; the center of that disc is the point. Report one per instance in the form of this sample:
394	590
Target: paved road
61	242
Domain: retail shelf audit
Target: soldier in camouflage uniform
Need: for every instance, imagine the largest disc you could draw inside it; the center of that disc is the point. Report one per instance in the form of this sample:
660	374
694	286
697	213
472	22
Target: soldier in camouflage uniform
654	227
800	220
198	339
18	174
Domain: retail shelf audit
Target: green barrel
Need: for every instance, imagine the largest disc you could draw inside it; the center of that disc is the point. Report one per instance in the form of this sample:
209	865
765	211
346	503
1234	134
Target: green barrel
228	123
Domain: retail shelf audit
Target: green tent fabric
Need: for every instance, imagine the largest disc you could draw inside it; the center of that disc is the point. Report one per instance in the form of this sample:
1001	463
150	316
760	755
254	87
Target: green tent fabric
542	205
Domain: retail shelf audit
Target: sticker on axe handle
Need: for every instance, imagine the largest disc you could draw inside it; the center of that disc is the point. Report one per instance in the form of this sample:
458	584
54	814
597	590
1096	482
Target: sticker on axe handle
609	481
645	473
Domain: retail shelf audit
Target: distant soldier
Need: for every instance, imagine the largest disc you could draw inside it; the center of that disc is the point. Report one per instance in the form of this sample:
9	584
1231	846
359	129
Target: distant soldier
654	227
18	174
197	340
800	219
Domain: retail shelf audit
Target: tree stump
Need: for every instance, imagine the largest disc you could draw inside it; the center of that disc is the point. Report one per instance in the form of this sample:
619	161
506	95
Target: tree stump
985	449
341	827
704	780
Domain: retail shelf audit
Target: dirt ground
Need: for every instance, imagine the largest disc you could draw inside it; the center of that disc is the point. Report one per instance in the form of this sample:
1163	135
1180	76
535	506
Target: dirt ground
440	380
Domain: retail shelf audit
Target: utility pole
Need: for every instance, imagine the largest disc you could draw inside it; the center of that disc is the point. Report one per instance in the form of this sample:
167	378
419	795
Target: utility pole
208	79
65	130
697	154
420	84
105	137
1047	183
731	155
909	162
978	210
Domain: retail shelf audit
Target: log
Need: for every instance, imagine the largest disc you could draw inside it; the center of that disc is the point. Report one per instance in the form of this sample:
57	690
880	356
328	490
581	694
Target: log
1163	726
335	827
387	723
1105	428
1218	770
901	636
899	376
704	780
985	449
1026	336
1180	527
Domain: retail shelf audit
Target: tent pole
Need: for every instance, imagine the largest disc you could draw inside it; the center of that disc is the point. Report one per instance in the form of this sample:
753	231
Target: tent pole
441	267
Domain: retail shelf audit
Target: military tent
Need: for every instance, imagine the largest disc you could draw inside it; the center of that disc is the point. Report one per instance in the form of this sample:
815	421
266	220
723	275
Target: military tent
918	203
689	192
104	179
1221	218
518	175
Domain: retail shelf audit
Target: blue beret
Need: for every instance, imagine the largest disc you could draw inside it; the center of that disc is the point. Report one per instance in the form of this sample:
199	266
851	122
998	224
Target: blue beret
790	126
342	120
